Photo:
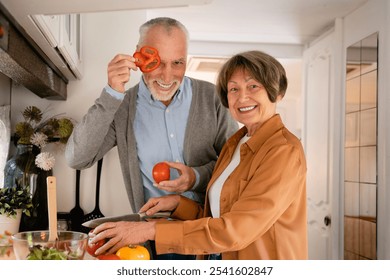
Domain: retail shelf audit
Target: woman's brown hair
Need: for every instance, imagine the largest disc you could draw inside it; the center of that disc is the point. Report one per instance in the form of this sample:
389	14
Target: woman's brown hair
262	67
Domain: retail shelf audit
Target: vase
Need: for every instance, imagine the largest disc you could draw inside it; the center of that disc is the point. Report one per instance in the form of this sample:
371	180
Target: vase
9	223
21	170
5	136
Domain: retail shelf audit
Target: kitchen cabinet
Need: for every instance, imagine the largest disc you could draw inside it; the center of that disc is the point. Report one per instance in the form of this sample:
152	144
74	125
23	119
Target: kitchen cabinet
22	61
70	42
63	33
56	29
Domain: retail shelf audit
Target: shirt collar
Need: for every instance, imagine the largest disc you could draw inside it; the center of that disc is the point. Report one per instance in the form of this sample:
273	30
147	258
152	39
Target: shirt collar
261	135
264	132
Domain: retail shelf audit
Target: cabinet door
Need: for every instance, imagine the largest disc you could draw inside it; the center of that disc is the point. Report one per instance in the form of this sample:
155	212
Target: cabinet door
49	26
70	42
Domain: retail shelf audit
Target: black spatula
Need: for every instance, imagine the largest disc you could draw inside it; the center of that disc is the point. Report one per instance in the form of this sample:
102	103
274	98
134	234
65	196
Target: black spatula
96	213
77	213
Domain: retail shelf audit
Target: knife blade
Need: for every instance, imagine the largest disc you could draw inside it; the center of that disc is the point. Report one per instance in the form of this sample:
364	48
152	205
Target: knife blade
136	217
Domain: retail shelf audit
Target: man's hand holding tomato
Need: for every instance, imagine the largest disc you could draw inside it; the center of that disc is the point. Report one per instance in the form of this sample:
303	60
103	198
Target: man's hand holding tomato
183	183
162	203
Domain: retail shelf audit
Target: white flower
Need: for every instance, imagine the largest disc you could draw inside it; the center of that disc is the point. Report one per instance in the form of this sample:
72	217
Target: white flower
39	139
45	161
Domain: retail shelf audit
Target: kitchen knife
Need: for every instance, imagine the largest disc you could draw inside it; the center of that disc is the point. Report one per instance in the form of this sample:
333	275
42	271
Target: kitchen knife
136	217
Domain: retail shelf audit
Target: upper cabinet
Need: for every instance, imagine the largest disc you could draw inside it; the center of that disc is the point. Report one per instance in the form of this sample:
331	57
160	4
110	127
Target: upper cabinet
64	41
44	45
56	28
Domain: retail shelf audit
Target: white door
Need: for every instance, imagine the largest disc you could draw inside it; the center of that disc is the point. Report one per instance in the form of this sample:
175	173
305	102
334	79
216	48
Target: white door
319	138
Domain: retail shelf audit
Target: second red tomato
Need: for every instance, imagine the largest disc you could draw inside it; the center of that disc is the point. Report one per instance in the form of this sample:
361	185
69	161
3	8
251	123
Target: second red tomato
92	247
108	257
161	172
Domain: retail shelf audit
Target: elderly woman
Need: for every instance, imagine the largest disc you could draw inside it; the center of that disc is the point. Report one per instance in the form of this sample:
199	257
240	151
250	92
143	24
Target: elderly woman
256	200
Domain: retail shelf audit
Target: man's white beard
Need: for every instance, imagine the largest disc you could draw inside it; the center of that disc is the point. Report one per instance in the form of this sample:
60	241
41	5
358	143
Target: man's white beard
163	97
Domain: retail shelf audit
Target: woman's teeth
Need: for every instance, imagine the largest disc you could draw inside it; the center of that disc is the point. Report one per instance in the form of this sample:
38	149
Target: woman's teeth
244	109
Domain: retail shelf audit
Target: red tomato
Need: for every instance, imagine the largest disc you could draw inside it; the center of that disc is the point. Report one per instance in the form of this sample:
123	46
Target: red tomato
92	247
108	257
161	172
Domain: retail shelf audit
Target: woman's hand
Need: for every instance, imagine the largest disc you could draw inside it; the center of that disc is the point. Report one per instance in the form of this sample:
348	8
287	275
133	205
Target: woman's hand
120	234
162	203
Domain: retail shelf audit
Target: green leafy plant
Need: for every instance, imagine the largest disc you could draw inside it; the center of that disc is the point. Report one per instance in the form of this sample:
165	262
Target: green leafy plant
39	131
14	198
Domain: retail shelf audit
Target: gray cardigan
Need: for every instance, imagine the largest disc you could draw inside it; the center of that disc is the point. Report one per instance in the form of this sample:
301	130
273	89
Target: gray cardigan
108	123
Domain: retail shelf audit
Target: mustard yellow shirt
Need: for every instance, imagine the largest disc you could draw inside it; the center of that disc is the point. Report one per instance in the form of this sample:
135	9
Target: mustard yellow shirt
262	204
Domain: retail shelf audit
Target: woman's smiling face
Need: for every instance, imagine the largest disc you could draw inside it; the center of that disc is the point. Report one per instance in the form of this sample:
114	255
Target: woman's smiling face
248	101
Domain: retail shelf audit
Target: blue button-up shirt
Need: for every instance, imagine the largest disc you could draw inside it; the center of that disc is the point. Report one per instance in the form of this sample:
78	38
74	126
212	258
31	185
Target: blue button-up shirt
159	132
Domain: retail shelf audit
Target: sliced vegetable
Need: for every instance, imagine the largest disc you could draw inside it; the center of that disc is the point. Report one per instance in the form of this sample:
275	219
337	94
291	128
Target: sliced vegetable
147	59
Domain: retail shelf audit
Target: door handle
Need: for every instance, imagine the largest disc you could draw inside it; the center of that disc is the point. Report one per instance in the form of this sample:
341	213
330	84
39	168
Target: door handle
327	221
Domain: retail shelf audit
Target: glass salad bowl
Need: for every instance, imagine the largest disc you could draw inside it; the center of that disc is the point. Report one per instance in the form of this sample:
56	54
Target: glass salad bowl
34	245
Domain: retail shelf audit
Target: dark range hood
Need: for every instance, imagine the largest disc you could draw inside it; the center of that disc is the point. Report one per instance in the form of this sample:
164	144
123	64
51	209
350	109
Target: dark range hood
25	63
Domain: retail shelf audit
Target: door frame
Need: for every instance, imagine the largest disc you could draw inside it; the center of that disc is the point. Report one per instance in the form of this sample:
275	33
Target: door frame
368	19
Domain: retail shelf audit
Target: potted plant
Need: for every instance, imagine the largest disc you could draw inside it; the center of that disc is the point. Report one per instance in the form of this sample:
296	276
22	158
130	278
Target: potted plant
14	201
32	162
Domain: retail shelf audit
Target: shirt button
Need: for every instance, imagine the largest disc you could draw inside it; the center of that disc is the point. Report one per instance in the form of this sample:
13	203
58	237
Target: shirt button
171	135
167	111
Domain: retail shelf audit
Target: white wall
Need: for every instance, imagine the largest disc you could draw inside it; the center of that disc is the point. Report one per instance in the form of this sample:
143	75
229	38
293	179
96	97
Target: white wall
104	35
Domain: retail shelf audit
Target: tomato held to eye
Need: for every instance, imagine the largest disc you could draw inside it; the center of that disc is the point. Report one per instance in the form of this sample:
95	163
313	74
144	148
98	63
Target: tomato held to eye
92	247
133	252
161	172
147	59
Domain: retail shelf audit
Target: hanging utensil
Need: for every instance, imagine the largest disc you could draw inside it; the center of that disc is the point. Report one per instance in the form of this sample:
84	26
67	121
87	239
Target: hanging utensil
52	207
77	213
96	213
